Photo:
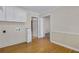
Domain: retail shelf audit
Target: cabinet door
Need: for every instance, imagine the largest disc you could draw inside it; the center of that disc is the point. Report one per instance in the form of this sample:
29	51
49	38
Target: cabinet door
10	13
20	15
2	13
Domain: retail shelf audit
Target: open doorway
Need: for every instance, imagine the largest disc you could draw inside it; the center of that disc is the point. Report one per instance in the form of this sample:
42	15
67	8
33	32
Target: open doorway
34	27
46	26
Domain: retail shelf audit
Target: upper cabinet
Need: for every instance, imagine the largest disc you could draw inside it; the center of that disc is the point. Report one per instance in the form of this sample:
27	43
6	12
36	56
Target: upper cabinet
2	13
10	13
20	15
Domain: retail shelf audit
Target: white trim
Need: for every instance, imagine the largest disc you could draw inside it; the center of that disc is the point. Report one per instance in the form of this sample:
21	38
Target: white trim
29	35
29	41
73	33
41	36
67	46
45	14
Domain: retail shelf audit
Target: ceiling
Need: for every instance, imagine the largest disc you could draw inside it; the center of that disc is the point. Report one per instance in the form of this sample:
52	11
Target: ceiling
40	9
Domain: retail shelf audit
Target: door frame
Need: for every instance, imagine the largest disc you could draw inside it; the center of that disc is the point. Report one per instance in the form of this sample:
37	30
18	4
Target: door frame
32	26
51	18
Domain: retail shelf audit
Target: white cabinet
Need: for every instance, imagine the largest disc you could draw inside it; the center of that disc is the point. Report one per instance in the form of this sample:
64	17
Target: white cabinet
20	15
11	13
2	13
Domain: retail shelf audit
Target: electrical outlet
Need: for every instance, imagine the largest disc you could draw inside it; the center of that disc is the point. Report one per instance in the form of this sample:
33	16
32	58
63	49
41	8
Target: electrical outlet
18	29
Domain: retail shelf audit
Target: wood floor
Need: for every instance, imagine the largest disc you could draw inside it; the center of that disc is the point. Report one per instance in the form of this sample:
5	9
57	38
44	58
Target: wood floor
36	46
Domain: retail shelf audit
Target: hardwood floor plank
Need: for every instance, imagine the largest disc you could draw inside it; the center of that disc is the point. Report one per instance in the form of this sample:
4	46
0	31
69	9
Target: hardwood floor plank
41	45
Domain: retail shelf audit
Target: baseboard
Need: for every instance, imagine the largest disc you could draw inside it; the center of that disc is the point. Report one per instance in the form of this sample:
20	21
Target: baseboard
67	46
13	45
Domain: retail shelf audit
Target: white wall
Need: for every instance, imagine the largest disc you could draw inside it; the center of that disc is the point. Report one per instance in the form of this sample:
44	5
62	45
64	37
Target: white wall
66	19
65	28
13	35
46	24
35	27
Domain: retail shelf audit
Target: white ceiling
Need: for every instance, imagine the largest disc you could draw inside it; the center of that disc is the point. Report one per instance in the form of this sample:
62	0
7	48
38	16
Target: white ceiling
40	9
